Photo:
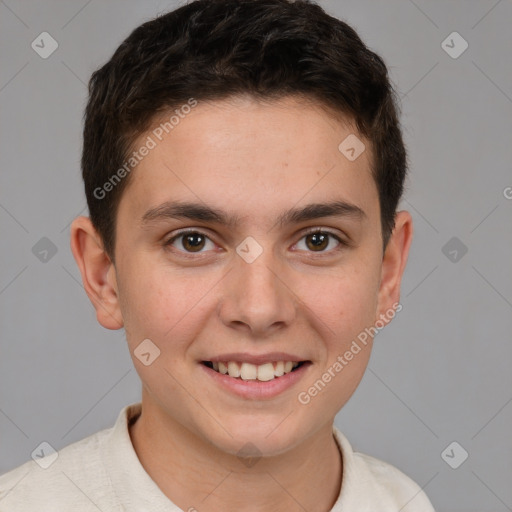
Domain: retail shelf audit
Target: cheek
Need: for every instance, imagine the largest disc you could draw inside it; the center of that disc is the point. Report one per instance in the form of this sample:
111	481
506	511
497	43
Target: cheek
163	305
343	307
162	308
345	300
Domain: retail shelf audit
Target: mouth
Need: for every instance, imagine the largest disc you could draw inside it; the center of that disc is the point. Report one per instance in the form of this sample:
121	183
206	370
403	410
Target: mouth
272	370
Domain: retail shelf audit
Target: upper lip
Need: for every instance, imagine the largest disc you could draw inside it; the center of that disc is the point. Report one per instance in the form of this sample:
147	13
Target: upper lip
256	359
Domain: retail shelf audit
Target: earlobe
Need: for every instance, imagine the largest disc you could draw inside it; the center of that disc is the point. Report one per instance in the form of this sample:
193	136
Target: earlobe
98	273
393	264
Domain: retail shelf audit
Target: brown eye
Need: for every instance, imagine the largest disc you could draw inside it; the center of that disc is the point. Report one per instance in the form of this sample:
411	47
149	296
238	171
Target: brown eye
191	242
318	241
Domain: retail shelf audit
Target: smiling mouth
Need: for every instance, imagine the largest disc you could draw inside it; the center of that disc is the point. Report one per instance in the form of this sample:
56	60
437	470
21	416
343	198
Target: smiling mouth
247	371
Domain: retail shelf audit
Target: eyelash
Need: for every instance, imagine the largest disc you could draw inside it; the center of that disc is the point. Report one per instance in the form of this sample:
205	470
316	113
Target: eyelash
315	230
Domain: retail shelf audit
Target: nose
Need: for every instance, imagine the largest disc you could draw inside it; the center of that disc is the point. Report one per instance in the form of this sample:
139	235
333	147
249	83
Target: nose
256	298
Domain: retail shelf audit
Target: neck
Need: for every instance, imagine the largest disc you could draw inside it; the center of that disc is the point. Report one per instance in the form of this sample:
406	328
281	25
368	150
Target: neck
195	475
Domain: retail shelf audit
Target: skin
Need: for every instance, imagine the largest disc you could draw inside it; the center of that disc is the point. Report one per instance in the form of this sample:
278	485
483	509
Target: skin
256	160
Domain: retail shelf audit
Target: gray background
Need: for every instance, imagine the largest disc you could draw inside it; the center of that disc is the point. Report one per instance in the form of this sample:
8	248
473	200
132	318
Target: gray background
439	373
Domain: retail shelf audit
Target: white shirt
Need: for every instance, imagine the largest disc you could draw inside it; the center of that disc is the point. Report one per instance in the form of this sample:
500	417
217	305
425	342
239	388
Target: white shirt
103	473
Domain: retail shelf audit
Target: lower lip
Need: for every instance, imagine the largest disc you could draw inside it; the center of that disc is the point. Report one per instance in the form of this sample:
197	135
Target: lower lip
255	389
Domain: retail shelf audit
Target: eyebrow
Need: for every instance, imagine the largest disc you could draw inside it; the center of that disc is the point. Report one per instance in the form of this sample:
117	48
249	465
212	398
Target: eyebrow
205	213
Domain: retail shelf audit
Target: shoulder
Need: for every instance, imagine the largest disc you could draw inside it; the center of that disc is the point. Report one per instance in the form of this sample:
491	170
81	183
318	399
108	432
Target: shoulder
393	485
72	477
381	483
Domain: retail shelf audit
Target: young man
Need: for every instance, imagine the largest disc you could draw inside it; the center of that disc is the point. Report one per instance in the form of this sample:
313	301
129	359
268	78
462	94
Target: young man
243	162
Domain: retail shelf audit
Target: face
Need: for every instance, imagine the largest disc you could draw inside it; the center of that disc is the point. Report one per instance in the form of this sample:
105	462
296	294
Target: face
263	288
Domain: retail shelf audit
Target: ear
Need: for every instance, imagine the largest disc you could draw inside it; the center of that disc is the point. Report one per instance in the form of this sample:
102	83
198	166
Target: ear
98	273
393	265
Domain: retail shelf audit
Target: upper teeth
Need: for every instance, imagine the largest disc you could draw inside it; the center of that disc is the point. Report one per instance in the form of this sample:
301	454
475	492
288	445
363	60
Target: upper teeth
248	371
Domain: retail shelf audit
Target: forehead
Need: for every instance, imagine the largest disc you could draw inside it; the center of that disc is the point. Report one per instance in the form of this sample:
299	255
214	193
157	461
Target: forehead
250	157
